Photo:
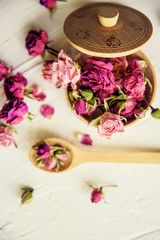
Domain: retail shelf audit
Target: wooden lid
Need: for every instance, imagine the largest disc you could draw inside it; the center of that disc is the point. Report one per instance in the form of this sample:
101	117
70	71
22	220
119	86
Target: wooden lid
107	29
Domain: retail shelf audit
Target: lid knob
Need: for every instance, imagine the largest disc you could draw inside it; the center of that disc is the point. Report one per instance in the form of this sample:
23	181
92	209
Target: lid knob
108	16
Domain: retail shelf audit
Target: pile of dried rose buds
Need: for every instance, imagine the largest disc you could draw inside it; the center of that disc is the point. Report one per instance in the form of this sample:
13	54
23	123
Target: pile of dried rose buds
50	157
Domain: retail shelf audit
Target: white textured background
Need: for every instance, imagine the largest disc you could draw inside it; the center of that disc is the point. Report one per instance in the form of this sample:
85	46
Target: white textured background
61	208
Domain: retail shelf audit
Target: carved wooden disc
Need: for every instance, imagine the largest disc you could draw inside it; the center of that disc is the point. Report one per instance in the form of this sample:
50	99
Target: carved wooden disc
84	31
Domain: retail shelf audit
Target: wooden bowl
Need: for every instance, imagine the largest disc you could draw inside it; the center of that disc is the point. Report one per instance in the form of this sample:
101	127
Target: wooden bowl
149	95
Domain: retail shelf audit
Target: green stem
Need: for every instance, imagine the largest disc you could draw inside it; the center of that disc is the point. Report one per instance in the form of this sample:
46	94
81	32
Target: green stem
109	186
26	95
152	108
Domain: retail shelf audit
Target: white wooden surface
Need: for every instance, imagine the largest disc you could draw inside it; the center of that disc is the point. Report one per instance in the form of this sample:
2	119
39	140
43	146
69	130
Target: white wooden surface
61	208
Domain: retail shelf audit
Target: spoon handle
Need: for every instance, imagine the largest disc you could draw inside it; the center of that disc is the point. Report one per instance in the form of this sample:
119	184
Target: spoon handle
118	157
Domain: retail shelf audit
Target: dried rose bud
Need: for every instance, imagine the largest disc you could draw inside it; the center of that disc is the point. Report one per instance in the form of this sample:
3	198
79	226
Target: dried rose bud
39	94
43	150
36	41
97	195
50	163
139	113
84	139
47	111
26	195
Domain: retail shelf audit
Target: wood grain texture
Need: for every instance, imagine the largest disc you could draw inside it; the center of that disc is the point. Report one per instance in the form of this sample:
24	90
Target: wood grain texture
84	31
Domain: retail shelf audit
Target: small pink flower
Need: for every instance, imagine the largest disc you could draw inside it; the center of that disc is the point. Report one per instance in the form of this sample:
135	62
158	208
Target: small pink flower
84	139
47	111
81	106
48	3
129	108
14	86
65	71
133	84
136	65
14	111
3	70
6	137
47	71
109	124
43	150
50	163
96	195
139	113
99	76
39	94
36	41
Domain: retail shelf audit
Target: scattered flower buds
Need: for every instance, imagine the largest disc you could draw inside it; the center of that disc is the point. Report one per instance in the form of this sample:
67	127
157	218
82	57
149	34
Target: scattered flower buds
47	111
97	193
26	196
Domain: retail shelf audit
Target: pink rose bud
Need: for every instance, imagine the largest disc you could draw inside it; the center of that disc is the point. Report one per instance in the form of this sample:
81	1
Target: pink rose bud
6	137
50	163
14	86
48	3
14	111
43	150
139	113
84	139
36	41
96	195
39	94
47	111
80	106
109	124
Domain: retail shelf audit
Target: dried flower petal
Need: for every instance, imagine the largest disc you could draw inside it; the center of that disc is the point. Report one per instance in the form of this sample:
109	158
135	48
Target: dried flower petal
47	111
84	139
39	94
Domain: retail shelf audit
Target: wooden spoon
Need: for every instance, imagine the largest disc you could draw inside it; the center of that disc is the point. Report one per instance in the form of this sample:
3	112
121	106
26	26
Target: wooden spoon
78	156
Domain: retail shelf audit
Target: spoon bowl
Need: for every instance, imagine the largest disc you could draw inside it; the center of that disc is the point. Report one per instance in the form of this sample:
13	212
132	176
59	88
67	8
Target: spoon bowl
78	156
